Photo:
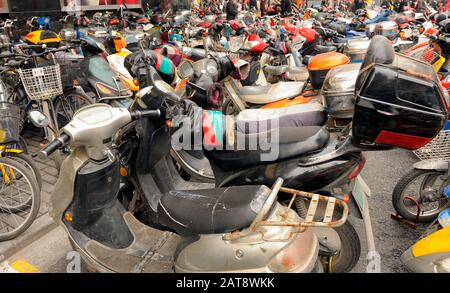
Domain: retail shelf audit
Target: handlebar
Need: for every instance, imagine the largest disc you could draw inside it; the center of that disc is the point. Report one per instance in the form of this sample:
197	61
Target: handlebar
47	51
64	138
53	146
145	113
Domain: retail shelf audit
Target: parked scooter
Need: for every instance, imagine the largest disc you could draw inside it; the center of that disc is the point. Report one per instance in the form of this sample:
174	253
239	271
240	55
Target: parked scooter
299	167
193	229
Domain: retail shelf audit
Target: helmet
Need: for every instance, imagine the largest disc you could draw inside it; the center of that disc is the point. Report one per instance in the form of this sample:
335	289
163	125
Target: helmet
361	12
440	17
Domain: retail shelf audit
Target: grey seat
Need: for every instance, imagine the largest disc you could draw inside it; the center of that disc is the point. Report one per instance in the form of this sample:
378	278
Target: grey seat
270	93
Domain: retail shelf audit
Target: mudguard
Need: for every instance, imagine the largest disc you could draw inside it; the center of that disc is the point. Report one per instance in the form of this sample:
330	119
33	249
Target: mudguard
433	164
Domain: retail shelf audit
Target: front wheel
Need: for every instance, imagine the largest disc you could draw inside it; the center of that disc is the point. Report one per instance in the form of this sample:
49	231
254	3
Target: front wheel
424	188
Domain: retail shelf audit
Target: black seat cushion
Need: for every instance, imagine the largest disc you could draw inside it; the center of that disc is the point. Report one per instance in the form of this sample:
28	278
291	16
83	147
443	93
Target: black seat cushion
324	49
209	211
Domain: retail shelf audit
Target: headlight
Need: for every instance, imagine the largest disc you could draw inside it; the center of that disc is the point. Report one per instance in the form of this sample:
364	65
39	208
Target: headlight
211	68
236	44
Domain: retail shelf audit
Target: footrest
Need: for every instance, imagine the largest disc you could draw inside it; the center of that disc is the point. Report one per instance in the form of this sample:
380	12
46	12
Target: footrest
151	251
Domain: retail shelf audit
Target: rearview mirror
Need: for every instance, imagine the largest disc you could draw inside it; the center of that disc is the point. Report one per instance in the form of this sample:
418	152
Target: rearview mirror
145	91
38	119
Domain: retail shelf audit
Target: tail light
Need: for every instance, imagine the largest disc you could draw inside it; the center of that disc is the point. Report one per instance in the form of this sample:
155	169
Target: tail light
296	256
406	141
357	169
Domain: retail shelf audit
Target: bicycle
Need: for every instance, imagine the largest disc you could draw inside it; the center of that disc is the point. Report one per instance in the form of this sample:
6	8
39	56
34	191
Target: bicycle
19	198
19	187
34	81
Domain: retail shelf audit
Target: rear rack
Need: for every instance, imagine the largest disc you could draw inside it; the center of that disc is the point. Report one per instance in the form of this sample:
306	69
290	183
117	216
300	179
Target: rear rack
311	216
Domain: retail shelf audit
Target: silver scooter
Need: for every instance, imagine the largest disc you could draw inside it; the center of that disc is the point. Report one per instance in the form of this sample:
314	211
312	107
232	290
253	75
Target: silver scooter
169	224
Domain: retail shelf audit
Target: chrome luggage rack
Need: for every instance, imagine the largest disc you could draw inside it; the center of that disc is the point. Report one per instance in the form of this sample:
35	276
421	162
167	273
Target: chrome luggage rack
312	214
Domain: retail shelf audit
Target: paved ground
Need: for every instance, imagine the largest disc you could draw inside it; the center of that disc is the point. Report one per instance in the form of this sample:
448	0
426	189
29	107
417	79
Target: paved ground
382	171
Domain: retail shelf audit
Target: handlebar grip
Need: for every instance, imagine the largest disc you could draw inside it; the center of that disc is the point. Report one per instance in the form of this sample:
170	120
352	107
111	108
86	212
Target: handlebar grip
31	46
53	146
146	113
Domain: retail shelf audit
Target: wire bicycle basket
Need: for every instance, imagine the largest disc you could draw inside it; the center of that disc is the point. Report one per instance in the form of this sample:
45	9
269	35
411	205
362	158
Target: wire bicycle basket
42	83
9	122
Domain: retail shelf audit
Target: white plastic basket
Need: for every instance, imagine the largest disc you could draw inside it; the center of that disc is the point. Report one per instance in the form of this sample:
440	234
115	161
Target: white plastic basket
427	54
438	148
43	82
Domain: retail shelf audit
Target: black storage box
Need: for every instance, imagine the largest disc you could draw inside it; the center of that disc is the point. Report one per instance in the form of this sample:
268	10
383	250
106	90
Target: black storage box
399	100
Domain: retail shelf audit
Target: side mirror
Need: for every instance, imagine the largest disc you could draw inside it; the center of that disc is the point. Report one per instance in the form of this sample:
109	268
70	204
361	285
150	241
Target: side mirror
145	91
38	119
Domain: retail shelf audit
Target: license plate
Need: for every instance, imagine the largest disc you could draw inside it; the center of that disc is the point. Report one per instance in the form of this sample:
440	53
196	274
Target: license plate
360	192
38	72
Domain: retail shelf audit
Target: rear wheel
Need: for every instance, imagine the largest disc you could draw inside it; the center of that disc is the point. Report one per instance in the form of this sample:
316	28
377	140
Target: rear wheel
350	252
346	259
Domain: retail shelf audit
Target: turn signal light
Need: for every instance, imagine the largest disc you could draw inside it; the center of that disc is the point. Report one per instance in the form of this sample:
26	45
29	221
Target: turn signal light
169	123
123	171
68	217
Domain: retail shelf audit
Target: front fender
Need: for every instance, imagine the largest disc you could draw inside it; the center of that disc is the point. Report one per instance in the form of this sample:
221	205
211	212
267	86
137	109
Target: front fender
433	164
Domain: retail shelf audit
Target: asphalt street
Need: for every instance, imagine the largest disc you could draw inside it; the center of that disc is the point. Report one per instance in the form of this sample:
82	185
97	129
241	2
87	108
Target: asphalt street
381	172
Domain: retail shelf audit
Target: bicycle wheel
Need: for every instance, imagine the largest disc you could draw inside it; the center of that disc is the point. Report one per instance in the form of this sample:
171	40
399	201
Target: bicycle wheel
17	186
67	104
28	162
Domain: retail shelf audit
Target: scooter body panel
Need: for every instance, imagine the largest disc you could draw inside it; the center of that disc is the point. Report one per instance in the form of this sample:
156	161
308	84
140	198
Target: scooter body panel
430	254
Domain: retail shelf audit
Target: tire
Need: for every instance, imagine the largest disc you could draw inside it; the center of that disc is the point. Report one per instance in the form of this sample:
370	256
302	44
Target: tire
65	105
29	163
350	252
228	108
34	188
401	186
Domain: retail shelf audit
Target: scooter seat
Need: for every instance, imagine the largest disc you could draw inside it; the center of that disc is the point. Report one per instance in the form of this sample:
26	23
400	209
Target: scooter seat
324	49
286	132
210	211
271	92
